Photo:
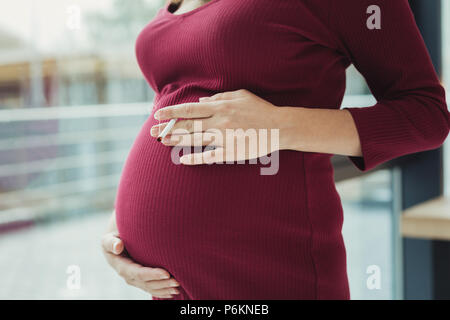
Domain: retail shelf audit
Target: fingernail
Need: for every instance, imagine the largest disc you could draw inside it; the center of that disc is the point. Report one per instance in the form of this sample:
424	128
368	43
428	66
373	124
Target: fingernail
174	284
115	247
157	115
174	291
164	276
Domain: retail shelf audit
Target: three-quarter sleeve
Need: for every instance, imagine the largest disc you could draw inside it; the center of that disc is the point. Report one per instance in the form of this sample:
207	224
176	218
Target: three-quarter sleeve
411	113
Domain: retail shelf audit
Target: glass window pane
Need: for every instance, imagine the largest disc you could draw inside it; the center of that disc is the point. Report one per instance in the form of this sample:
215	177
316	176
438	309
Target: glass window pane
446	81
369	235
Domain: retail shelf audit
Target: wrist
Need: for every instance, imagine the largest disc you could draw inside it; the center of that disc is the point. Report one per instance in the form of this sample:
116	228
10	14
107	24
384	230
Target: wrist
287	124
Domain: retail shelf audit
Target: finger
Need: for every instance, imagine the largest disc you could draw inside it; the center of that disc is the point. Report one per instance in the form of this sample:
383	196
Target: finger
186	110
129	269
153	274
162	293
164	297
228	95
113	244
166	287
162	284
119	263
218	96
192	140
183	127
207	157
138	272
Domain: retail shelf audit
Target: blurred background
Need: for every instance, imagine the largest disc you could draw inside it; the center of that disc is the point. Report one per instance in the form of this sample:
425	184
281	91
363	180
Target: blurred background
72	99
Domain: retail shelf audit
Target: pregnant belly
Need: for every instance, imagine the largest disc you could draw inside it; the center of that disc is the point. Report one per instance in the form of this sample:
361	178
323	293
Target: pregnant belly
163	203
208	223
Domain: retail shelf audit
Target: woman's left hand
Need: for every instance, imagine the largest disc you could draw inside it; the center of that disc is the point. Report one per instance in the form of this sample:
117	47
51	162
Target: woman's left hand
249	117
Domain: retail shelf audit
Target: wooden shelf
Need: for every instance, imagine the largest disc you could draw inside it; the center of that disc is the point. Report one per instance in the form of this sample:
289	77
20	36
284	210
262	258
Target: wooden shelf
428	220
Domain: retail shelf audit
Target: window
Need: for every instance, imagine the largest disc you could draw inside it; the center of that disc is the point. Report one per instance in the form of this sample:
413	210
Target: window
71	102
446	79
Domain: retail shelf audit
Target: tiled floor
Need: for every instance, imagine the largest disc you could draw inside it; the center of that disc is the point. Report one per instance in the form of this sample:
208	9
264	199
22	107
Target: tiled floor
34	262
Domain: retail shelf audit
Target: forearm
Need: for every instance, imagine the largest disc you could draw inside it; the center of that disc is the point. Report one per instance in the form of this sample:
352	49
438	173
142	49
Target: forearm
318	130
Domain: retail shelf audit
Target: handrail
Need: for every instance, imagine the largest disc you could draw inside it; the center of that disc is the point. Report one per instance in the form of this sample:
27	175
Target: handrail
115	110
59	163
50	196
74	112
68	138
15	198
33	212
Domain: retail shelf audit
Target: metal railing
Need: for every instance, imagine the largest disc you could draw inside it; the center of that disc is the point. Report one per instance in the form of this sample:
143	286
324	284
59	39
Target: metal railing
72	167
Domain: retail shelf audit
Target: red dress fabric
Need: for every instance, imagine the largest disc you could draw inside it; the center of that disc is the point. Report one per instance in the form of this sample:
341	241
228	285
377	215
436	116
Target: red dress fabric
225	231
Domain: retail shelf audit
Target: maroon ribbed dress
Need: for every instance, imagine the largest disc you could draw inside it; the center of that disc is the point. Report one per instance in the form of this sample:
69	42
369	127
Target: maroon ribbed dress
225	231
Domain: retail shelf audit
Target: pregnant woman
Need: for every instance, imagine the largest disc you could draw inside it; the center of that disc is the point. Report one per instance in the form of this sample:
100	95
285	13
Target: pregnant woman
192	230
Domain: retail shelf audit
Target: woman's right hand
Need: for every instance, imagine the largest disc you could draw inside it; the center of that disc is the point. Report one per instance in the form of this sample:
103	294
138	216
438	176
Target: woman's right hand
155	281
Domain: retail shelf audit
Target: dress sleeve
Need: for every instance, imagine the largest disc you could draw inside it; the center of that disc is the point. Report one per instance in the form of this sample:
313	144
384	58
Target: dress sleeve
411	113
